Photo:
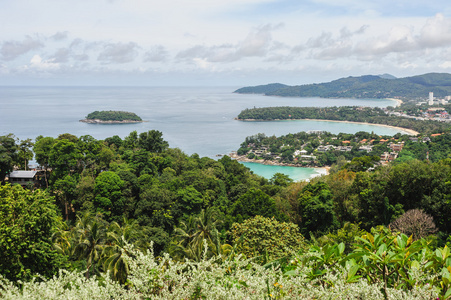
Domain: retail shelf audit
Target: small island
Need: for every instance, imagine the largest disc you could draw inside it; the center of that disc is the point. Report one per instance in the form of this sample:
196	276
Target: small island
112	117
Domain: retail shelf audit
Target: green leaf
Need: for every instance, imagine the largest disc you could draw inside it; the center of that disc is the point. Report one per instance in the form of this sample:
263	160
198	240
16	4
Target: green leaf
290	273
415	264
382	249
447	294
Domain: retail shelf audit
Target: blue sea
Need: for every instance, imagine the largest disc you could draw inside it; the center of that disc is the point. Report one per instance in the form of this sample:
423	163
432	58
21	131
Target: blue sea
195	119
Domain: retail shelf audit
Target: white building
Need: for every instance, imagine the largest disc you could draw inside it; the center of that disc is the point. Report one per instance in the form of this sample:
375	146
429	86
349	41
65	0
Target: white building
431	98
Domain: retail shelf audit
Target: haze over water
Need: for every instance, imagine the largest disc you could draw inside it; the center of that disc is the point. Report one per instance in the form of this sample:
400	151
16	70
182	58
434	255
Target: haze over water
195	119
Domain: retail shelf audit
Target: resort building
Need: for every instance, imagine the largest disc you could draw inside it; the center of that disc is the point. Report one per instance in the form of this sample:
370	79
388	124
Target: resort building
396	147
431	98
23	177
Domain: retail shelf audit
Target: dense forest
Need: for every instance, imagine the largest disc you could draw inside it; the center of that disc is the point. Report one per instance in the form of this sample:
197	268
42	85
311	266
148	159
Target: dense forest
367	86
373	115
112	115
215	229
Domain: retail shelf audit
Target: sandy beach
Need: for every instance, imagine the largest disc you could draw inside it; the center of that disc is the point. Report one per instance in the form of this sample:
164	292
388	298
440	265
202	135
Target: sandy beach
320	171
399	102
406	130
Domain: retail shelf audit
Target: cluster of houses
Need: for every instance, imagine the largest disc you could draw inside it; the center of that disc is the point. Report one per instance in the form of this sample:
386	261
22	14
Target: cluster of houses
433	101
302	155
432	113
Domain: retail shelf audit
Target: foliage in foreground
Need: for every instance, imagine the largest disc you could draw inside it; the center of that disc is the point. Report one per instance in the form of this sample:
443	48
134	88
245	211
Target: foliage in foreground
380	266
28	219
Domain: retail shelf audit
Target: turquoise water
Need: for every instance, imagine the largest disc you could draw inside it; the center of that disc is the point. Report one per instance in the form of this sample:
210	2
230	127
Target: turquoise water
295	173
195	119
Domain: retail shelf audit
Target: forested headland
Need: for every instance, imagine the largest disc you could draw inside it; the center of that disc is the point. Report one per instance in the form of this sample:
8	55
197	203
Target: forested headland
368	86
373	115
215	229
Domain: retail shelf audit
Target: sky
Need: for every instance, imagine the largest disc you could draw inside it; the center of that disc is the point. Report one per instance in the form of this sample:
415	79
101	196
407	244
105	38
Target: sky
219	42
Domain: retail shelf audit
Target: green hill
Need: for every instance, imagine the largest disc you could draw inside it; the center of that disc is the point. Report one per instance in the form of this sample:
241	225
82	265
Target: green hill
368	86
261	89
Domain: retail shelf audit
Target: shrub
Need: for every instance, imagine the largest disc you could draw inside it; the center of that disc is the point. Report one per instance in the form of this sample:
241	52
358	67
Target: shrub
415	222
266	238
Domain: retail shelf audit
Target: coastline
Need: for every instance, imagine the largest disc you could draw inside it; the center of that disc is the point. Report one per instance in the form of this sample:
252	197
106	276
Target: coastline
406	130
398	101
320	171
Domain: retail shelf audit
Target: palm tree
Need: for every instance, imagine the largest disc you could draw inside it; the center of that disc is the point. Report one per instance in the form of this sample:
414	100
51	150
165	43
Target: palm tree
189	237
63	242
90	236
118	237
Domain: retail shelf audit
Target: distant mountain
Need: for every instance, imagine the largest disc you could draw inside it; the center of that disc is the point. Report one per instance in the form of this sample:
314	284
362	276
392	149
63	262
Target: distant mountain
367	86
387	76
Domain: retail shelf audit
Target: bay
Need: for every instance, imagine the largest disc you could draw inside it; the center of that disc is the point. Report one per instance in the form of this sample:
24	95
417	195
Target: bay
195	119
295	173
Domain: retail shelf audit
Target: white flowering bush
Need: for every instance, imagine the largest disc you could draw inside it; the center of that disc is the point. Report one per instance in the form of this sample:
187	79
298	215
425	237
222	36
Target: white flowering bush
65	285
232	278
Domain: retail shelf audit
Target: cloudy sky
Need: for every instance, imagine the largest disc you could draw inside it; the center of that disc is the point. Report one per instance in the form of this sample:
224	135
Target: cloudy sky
219	42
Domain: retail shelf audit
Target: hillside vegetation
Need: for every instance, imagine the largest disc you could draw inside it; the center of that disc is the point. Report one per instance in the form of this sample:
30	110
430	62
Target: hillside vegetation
215	229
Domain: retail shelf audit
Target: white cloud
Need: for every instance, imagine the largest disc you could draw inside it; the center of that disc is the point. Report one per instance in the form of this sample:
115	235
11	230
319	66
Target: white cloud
59	36
61	55
37	63
13	49
256	44
156	54
118	53
445	65
176	36
436	32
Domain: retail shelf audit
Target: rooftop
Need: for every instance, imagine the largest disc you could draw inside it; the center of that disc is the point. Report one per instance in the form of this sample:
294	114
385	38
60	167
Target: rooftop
22	174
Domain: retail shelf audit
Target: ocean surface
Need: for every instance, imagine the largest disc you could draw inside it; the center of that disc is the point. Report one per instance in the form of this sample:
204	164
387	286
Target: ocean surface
195	119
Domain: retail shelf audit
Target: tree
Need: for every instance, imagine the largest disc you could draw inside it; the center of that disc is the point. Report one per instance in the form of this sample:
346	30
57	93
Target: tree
281	179
316	209
25	153
27	221
131	141
114	140
152	141
108	195
189	237
90	150
42	148
361	164
190	199
65	191
63	159
89	241
255	202
8	154
414	222
118	237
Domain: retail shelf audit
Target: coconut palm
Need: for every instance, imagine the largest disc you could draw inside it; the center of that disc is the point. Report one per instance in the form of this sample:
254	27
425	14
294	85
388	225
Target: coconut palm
90	236
189	237
118	237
